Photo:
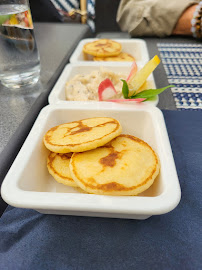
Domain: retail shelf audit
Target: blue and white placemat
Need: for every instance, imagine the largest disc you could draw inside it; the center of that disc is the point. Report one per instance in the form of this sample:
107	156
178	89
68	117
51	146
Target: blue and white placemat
183	66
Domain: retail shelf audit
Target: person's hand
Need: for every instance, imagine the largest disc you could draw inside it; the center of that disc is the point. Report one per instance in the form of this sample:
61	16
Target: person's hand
183	26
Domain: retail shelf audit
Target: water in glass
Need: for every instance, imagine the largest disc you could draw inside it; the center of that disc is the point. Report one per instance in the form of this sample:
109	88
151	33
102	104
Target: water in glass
19	57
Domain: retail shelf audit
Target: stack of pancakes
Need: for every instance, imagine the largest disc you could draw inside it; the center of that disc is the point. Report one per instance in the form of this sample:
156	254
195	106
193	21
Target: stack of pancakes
106	50
93	154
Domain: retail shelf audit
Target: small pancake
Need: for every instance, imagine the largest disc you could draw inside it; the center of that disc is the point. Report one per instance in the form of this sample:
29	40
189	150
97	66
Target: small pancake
82	135
58	167
122	57
125	166
102	48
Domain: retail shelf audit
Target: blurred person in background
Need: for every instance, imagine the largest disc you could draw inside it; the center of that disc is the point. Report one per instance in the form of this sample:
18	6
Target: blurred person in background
160	18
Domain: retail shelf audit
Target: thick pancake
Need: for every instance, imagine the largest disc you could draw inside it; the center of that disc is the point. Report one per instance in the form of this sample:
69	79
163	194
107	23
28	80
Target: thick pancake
82	135
122	57
125	166
58	167
102	48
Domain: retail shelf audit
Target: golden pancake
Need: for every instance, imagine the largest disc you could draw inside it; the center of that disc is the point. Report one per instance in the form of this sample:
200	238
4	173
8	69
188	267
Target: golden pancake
102	48
125	166
122	57
82	135
58	167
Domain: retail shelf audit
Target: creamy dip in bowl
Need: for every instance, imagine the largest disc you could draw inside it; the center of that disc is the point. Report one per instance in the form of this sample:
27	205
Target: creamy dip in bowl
85	87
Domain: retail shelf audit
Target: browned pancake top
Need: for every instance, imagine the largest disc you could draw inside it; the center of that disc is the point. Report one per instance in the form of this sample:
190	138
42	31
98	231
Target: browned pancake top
78	127
105	47
110	161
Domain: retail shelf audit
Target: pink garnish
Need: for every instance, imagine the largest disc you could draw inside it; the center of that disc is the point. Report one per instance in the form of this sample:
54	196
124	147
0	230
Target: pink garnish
136	100
133	71
106	90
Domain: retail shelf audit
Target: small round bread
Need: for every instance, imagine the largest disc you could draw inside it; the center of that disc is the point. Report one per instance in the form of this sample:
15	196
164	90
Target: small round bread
125	166
58	167
122	57
102	48
82	135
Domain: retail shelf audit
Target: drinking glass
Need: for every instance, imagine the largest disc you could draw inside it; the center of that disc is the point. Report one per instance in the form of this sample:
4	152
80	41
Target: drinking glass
19	57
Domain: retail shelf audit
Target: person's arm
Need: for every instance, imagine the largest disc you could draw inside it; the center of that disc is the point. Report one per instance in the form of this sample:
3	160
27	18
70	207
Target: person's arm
183	25
153	17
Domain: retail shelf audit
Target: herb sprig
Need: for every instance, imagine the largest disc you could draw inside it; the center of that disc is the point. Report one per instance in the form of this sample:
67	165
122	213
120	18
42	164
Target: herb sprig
149	94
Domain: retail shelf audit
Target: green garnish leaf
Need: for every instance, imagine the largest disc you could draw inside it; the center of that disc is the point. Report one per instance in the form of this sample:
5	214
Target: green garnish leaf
151	92
150	99
125	90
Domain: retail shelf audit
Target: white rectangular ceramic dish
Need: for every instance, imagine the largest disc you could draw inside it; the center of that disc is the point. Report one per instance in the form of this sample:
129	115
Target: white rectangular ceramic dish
57	94
29	185
135	47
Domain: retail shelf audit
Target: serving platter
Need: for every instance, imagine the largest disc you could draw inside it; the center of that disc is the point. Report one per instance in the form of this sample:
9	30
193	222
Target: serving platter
29	185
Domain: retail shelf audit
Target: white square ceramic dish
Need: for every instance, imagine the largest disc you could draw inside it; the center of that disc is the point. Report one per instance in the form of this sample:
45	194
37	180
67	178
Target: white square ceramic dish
135	47
57	94
29	185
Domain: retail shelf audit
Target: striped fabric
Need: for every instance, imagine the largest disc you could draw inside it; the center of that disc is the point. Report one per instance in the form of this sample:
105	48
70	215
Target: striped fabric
67	5
183	66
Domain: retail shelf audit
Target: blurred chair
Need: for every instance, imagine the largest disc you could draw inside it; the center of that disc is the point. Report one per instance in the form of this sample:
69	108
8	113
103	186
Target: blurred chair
44	11
105	16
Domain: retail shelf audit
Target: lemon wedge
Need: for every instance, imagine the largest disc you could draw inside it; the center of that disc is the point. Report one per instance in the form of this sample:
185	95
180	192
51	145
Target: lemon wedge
136	81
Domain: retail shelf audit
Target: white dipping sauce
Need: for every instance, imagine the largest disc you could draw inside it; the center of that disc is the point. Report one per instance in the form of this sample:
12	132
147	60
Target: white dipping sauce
85	87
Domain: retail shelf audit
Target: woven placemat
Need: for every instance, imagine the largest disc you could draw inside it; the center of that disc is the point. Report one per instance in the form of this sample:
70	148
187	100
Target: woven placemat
183	66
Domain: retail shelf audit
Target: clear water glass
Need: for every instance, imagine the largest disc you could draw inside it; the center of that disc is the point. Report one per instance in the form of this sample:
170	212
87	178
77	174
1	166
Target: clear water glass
19	56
